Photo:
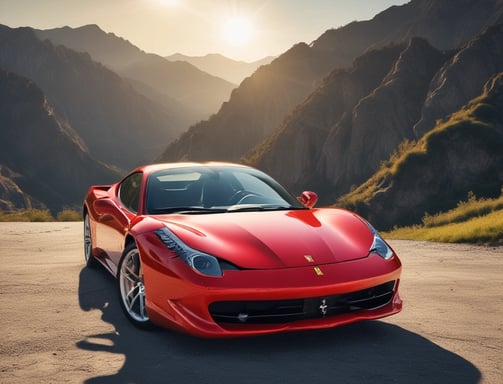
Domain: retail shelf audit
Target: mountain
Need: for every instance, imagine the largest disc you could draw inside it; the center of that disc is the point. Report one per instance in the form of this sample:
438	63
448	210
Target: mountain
452	87
372	97
221	66
43	163
446	24
343	131
254	109
119	125
197	94
460	155
355	119
264	101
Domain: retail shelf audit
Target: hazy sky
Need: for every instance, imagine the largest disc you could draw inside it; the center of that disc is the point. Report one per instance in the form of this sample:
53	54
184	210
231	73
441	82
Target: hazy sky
240	29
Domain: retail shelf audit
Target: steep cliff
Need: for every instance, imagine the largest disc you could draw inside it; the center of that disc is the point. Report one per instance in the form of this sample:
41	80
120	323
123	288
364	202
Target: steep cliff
446	24
337	138
334	155
253	111
381	120
43	161
119	125
462	77
259	106
306	129
459	155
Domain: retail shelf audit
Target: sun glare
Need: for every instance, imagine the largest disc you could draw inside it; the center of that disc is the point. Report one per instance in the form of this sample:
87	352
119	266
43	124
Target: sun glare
238	31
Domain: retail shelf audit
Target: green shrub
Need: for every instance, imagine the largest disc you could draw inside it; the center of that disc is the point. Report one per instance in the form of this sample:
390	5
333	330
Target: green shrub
68	214
34	215
39	215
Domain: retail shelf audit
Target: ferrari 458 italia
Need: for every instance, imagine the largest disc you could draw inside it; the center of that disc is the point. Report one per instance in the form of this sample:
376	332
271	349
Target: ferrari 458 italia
223	250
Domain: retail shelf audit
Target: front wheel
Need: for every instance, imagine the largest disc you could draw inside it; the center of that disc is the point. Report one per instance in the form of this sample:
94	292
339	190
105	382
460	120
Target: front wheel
131	287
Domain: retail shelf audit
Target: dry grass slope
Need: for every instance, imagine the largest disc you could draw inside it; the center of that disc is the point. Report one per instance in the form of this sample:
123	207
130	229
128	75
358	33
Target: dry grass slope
40	215
472	221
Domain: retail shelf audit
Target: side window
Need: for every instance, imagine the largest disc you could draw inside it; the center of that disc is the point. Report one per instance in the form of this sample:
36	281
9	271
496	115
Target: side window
129	191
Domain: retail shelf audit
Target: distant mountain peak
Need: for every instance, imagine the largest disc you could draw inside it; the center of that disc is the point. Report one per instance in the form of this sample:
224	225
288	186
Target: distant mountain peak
221	66
181	88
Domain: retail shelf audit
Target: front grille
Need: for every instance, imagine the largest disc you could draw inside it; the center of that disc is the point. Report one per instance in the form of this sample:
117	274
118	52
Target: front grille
283	311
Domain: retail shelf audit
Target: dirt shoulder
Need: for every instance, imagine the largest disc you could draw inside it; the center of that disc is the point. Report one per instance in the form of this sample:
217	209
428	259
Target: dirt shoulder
61	323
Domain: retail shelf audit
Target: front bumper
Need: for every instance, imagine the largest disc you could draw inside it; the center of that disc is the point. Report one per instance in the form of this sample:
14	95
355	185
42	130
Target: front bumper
179	298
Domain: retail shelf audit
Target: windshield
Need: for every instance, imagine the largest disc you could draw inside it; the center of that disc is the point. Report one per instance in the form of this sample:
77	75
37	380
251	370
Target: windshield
206	189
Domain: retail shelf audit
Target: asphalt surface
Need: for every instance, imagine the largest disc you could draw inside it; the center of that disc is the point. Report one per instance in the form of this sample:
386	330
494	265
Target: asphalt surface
61	323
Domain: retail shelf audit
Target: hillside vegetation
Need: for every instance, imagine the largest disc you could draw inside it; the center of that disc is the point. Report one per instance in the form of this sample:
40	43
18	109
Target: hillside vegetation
40	215
472	221
459	155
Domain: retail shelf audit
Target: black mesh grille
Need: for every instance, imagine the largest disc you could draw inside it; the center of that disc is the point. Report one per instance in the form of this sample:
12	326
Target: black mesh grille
282	311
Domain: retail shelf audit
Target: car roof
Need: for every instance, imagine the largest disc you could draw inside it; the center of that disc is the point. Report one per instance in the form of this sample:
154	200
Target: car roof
150	168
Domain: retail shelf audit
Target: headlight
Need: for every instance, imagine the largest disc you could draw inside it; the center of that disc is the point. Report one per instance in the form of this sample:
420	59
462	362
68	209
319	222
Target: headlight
379	246
199	261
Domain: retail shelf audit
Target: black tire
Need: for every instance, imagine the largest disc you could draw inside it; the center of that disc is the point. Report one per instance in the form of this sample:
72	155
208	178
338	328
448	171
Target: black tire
131	289
91	262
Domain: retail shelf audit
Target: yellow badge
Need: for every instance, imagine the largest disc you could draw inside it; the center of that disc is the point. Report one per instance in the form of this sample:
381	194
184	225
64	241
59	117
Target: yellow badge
309	258
318	271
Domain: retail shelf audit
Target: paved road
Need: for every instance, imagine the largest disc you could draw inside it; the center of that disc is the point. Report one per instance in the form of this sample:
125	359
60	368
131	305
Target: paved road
61	323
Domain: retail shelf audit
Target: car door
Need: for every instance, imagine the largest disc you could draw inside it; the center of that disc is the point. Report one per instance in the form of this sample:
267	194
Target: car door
112	227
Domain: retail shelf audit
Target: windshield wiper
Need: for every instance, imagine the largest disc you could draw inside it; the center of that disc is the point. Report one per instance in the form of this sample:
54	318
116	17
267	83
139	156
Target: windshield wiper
189	210
251	208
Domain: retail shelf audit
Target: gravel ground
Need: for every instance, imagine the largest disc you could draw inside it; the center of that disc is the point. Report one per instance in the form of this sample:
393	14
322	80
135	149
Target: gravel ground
61	323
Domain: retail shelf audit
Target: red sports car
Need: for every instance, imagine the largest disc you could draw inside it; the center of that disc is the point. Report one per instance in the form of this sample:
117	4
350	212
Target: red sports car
222	250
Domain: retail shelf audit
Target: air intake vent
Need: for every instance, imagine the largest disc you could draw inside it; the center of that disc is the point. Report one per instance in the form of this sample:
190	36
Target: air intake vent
283	311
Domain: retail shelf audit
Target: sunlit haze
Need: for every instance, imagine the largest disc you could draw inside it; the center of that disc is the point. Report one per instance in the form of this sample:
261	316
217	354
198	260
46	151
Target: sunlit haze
240	29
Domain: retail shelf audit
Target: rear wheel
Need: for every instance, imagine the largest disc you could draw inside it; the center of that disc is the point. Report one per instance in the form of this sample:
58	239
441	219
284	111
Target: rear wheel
131	287
88	243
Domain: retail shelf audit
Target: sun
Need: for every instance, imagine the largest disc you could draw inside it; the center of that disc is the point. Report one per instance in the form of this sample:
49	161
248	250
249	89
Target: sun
238	30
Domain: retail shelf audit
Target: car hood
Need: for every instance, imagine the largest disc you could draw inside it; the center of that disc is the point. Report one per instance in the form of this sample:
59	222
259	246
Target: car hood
275	239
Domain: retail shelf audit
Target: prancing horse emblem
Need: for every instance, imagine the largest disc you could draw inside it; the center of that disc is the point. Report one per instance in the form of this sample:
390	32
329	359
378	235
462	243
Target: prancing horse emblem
323	307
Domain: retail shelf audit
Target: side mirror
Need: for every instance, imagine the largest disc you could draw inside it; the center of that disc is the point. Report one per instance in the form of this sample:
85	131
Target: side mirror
308	199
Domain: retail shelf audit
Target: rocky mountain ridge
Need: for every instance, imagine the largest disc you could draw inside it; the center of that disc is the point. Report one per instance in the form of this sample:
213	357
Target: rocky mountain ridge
462	78
323	116
357	137
43	163
254	109
175	85
461	155
259	107
109	115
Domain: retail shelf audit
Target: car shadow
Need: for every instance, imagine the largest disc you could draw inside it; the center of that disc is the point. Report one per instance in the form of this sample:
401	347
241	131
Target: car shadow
369	351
